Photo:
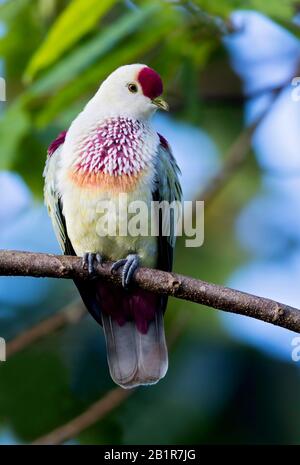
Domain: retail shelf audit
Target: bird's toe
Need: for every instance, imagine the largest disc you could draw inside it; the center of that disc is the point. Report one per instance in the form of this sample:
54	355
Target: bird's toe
89	260
130	264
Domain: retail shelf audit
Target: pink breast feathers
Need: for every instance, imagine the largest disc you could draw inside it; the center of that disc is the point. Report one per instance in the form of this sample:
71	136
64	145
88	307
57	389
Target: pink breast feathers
115	148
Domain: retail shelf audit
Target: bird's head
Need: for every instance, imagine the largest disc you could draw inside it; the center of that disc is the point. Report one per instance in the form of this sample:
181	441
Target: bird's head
131	90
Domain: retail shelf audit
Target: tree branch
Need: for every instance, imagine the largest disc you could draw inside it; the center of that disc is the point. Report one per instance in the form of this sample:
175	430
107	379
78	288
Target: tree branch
235	158
237	154
13	263
93	414
71	314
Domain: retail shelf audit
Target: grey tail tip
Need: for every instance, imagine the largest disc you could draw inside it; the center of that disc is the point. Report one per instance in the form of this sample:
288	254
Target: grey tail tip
136	359
132	384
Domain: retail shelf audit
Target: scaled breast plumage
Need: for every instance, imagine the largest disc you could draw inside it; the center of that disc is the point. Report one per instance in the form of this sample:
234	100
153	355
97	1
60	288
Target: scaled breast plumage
114	155
116	147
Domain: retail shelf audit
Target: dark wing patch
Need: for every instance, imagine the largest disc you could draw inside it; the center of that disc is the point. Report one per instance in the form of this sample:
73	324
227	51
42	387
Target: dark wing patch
167	187
165	249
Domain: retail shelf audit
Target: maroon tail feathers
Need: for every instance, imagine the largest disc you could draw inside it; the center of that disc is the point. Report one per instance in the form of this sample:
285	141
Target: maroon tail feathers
134	332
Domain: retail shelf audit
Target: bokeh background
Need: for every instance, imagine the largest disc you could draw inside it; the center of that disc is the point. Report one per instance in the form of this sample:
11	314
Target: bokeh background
234	127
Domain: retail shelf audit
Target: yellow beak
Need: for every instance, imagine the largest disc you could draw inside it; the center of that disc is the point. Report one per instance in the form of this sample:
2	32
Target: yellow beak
160	103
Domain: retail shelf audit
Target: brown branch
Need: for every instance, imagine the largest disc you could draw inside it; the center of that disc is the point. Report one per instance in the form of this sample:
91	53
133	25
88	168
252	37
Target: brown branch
237	153
13	263
93	414
234	160
71	314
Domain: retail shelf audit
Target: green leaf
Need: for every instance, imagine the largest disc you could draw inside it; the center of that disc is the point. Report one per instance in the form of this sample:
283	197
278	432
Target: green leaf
76	20
11	8
132	50
14	125
282	9
88	53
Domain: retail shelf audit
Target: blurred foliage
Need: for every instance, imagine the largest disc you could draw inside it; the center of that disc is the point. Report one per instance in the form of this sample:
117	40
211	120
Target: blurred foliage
77	19
55	54
280	9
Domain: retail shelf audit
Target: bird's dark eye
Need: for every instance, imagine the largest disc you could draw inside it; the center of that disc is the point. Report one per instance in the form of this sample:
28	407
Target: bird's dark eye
132	88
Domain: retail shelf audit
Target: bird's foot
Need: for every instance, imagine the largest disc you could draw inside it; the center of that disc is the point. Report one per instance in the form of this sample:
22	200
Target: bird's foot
130	265
89	260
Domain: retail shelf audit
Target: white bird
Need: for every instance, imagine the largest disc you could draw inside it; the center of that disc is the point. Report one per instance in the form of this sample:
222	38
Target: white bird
111	149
